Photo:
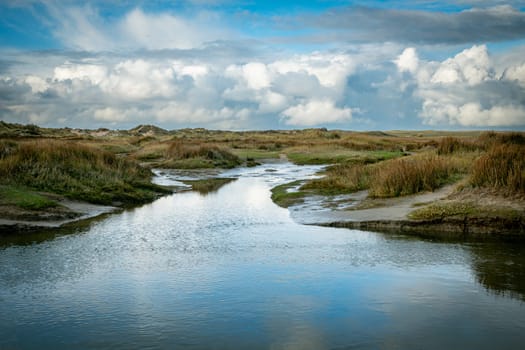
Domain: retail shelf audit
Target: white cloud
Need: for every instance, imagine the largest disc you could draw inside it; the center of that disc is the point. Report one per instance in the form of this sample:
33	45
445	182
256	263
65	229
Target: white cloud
111	115
331	70
195	71
164	31
471	66
316	112
83	28
320	88
181	112
89	72
472	114
408	61
272	102
36	83
140	79
465	90
515	73
256	75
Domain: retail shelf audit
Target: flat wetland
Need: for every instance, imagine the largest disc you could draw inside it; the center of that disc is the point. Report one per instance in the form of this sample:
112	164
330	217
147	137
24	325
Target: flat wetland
194	238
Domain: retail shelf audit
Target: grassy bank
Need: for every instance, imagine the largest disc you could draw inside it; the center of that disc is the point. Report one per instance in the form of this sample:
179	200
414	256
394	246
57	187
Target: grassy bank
494	161
288	194
185	155
12	195
75	171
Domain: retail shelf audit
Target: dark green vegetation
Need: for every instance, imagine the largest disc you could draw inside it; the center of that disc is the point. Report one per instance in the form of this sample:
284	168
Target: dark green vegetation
73	170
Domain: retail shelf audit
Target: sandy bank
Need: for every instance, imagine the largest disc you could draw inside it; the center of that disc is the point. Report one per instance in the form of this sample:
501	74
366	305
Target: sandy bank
356	211
76	211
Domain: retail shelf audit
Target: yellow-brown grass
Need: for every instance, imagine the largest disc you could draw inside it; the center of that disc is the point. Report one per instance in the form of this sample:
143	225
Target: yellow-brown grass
342	178
219	156
502	167
74	170
450	145
399	177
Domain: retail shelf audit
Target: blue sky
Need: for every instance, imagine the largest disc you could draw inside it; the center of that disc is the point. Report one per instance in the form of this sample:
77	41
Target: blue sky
258	64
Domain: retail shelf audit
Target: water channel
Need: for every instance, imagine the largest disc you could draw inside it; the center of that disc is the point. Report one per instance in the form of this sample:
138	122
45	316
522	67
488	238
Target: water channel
230	269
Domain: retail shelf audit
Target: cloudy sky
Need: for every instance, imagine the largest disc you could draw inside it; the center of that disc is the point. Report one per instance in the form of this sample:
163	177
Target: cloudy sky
235	64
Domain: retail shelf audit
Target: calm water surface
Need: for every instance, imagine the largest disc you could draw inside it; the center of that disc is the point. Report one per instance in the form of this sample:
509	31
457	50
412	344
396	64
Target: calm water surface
231	270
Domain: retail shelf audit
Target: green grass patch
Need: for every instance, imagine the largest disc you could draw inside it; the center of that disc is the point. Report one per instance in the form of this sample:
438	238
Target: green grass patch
284	195
24	198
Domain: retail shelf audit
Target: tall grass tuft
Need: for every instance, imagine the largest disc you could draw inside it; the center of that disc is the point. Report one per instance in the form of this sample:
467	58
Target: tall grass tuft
178	150
342	178
406	176
502	167
491	138
450	145
75	171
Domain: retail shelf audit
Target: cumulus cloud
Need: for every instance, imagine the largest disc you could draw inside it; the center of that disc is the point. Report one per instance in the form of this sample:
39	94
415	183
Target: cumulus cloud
301	90
316	112
408	61
465	90
471	66
472	114
515	73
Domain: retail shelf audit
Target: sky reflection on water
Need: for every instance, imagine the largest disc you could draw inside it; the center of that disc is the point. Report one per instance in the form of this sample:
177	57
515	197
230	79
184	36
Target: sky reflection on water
232	270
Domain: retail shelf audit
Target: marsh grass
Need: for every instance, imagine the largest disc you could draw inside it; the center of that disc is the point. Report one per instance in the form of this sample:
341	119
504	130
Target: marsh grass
340	179
502	167
400	177
75	171
450	145
182	154
391	178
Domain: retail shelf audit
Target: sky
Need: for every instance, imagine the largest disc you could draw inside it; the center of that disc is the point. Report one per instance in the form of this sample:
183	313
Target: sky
248	65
